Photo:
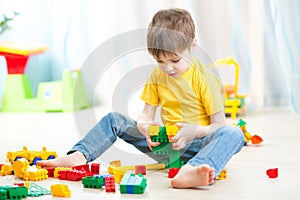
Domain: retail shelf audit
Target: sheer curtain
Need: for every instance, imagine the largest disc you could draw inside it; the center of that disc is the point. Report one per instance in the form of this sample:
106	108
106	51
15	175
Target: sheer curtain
262	36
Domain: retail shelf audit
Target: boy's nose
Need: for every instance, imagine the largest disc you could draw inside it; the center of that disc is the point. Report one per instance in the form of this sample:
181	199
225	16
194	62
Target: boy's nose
169	68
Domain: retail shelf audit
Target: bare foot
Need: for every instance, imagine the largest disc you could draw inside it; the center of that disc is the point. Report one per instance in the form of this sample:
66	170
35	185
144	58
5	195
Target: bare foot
193	176
76	158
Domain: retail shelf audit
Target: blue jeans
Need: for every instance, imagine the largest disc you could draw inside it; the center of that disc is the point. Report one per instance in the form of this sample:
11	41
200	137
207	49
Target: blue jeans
215	149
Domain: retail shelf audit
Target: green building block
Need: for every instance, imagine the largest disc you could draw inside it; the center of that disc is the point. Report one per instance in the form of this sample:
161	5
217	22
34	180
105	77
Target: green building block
165	149
162	136
17	192
92	182
3	193
133	184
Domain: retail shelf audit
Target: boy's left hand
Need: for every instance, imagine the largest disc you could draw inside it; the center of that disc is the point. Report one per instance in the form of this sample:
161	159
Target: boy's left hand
186	133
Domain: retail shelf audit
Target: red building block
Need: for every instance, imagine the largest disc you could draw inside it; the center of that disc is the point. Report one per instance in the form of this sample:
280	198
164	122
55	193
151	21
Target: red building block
62	174
110	184
71	175
140	169
172	172
50	171
95	168
82	168
75	175
272	173
19	184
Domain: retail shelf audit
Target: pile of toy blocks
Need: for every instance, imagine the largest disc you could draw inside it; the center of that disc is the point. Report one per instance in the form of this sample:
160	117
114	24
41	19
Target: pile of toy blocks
163	134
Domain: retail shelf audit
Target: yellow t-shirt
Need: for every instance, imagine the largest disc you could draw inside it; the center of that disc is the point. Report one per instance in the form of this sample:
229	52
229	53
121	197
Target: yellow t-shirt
190	98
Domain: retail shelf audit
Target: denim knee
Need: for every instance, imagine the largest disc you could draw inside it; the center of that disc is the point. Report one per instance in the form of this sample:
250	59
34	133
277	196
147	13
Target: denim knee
236	135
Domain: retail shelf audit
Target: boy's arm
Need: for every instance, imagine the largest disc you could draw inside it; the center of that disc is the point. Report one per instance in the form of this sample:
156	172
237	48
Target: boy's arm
216	121
145	120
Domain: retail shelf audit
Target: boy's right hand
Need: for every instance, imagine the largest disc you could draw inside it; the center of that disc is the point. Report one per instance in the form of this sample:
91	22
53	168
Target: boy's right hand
150	143
143	128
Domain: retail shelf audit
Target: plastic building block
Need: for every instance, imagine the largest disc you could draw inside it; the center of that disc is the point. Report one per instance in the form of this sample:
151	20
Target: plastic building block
28	173
161	136
255	139
19	184
95	168
115	162
222	175
17	192
133	184
172	172
60	190
57	169
165	148
6	170
35	190
156	166
140	169
119	171
272	173
71	175
171	131
92	182
35	174
31	156
3	193
50	171
118	175
153	130
9	192
20	166
82	168
110	184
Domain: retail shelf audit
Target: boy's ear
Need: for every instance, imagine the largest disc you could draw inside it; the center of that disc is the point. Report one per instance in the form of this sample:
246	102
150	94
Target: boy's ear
194	44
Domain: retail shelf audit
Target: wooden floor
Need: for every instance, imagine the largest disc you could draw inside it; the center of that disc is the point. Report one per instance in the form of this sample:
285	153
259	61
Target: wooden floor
246	179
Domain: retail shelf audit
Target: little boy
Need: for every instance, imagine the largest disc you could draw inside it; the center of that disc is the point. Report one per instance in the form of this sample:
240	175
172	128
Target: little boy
189	96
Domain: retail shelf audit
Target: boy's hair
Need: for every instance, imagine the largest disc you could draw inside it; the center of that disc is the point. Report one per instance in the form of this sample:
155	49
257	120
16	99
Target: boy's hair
170	32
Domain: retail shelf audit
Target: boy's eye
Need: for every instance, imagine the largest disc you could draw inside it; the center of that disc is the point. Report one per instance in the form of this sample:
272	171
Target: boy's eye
176	61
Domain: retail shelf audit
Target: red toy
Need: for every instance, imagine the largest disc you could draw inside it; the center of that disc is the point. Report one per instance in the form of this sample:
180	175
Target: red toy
172	172
50	171
272	173
110	184
140	169
95	168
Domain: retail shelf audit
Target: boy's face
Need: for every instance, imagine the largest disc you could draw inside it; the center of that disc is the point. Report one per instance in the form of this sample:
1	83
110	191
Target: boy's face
174	65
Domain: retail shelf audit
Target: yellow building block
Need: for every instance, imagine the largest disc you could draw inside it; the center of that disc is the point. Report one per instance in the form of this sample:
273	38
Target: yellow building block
60	168
153	130
222	175
171	131
115	163
35	174
6	170
20	166
247	137
60	190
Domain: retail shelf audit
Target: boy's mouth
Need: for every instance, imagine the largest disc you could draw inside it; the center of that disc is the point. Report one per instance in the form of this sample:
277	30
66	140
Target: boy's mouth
172	74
